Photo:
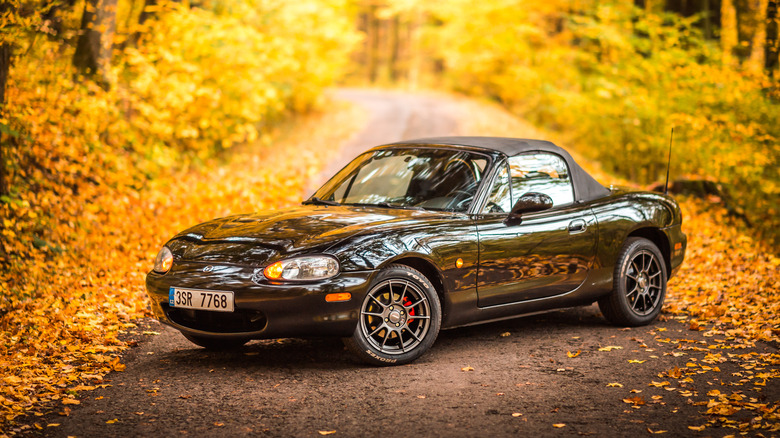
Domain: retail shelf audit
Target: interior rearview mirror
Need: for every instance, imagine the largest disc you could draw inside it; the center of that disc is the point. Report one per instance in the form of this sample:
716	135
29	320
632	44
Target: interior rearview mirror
528	203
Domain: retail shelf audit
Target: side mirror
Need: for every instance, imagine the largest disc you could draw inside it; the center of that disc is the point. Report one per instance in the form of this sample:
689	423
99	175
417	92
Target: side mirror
528	203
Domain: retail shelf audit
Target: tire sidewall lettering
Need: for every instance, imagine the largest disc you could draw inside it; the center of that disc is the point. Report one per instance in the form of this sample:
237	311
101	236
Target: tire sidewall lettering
380	358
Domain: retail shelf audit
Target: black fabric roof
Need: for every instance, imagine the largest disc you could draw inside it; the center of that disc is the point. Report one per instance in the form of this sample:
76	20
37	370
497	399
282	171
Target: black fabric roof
586	188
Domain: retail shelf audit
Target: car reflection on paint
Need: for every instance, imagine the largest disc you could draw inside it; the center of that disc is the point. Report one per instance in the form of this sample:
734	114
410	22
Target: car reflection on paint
420	235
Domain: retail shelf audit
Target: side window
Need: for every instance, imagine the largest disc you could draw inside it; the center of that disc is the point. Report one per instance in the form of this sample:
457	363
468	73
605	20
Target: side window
500	200
543	173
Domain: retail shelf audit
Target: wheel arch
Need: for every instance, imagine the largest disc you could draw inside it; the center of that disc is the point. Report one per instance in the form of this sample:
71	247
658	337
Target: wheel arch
427	268
660	240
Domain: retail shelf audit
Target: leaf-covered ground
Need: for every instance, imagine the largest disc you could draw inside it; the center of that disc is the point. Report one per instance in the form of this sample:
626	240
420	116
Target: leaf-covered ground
63	335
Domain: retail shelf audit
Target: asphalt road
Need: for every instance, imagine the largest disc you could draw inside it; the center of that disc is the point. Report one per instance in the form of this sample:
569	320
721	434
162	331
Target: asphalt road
513	377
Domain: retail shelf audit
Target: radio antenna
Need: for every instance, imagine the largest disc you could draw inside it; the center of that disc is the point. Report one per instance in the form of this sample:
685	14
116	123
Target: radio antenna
669	163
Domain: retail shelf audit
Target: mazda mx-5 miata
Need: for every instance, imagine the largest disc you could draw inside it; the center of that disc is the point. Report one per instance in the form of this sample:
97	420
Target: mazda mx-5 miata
420	235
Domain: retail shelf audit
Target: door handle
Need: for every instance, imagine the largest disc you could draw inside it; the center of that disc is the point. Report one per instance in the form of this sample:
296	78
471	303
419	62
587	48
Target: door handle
577	226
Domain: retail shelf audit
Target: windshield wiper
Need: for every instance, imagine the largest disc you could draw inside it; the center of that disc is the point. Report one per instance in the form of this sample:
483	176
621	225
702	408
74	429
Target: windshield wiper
317	201
386	205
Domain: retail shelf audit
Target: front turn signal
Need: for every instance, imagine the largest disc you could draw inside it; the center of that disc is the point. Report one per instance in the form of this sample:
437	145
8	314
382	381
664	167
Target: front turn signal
274	271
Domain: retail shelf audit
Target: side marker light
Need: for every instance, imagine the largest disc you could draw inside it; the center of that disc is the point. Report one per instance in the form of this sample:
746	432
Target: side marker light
459	263
343	296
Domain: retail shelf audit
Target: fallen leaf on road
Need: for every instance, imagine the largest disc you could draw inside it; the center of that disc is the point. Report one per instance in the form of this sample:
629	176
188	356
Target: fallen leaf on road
615	385
505	334
467	369
53	425
327	432
636	391
696	428
218	424
559	425
655	431
636	361
70	401
674	373
658	384
516	414
185	396
635	400
112	421
151	333
570	354
610	348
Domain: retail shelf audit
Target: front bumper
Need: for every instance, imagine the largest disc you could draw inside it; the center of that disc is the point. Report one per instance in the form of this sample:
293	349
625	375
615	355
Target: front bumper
263	310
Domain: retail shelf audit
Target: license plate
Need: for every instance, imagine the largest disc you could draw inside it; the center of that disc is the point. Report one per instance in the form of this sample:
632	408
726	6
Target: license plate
219	301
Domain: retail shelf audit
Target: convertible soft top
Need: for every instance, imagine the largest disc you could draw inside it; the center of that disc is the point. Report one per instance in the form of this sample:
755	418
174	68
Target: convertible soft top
586	188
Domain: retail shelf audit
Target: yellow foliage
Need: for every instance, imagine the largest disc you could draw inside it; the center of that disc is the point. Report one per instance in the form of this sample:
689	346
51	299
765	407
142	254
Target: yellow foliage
615	79
62	309
98	178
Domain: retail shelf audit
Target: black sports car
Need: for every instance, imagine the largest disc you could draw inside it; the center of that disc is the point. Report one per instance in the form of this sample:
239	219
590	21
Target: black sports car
420	235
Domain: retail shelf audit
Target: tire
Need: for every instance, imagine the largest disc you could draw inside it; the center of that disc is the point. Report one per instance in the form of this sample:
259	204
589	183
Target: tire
399	318
639	285
216	344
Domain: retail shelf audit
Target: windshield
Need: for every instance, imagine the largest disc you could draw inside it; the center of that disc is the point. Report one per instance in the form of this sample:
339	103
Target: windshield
436	179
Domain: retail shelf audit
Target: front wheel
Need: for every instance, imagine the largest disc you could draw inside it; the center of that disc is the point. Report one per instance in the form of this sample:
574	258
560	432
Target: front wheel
399	318
639	285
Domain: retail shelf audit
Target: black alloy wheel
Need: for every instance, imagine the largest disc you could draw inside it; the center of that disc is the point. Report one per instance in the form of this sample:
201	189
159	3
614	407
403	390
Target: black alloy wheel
639	285
399	318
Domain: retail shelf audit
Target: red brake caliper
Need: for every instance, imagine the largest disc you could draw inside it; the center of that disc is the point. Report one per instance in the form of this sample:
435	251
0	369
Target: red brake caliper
408	302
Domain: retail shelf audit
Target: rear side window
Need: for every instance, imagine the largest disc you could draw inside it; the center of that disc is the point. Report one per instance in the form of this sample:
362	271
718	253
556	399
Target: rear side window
541	172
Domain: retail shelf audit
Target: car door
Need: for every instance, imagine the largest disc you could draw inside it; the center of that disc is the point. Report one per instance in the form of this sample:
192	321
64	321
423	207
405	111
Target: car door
549	252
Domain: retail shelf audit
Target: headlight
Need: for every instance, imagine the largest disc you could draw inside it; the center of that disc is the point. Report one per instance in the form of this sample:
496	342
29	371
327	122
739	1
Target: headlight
164	260
303	268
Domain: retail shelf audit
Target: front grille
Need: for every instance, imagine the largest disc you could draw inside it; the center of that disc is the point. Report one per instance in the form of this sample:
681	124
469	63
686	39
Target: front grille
242	320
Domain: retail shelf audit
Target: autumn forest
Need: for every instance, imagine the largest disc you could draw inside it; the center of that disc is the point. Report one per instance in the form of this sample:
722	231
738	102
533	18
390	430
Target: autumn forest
121	119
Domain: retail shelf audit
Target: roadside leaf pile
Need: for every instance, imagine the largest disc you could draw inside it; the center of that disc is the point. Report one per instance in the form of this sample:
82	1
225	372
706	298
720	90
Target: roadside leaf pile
97	175
60	334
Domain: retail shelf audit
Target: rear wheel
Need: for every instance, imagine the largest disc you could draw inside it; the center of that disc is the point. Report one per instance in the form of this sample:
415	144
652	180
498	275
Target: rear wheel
399	318
639	285
216	344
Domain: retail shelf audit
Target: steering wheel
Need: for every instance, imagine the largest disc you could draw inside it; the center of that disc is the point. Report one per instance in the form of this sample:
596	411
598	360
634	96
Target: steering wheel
459	198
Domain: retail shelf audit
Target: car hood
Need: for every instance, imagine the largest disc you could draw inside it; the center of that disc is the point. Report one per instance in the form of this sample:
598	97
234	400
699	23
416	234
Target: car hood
262	238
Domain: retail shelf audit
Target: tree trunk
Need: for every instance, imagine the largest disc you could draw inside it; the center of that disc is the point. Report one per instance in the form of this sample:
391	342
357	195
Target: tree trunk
728	30
756	61
95	43
654	6
373	44
395	43
146	13
5	66
771	46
